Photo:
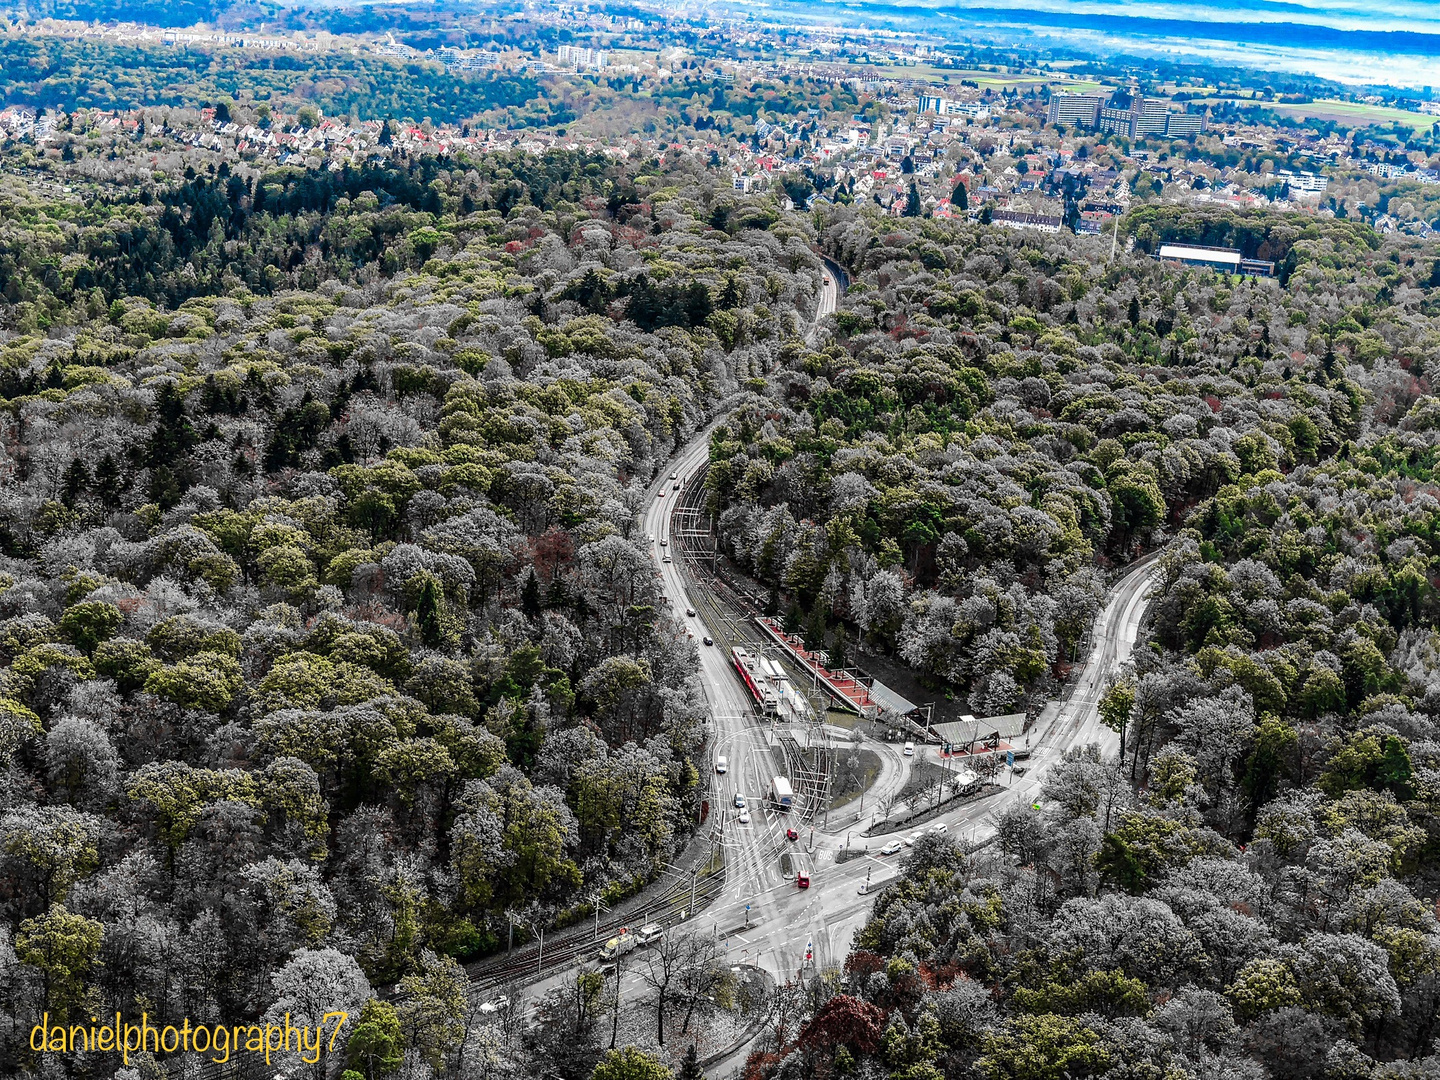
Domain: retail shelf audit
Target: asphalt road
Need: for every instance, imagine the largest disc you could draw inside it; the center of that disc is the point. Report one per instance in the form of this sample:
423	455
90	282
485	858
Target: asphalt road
761	916
787	922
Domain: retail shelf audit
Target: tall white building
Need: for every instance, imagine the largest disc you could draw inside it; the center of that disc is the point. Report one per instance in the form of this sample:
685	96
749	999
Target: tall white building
582	57
1078	109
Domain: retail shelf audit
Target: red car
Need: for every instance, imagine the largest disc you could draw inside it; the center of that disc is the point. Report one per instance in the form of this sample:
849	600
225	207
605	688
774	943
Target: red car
802	880
791	834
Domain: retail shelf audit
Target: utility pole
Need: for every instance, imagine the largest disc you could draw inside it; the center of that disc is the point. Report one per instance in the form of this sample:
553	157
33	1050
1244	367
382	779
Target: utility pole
619	983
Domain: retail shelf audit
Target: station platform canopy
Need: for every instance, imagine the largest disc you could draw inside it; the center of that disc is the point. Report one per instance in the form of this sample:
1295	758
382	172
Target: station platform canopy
968	729
889	700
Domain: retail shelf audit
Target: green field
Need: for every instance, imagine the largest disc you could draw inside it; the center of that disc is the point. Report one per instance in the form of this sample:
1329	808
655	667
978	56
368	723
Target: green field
986	80
1354	112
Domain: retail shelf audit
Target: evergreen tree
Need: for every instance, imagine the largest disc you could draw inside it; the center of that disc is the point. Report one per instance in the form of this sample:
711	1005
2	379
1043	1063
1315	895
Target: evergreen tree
960	196
690	1066
530	596
77	479
912	201
429	613
838	649
108	482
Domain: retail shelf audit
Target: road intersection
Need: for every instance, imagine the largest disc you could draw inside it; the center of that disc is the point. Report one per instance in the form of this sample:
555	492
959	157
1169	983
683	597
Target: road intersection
761	914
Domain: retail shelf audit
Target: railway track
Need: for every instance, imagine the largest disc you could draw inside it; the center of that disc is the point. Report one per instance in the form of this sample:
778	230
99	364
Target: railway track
671	907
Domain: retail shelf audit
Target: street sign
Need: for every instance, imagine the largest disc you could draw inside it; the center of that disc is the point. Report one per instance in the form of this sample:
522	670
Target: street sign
1010	758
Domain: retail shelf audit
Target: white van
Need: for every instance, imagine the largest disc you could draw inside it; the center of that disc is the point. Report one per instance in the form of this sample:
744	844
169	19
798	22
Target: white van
909	749
722	764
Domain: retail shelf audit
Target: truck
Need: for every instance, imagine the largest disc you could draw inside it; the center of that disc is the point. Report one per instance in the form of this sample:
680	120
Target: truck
782	793
618	946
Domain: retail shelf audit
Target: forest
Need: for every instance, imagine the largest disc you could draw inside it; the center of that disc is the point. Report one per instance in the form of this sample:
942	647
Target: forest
330	655
1250	891
330	649
48	73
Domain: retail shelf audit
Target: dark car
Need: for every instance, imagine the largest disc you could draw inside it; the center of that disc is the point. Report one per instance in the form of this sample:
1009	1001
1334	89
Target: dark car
709	641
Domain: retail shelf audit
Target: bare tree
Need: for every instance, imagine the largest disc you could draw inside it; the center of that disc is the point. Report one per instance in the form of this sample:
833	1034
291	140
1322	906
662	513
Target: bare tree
702	976
661	970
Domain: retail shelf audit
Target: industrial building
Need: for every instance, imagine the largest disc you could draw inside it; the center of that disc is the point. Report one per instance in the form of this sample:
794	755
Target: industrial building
1223	260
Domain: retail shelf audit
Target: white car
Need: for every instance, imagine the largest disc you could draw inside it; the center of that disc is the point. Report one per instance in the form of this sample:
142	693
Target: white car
910	840
664	542
495	1005
744	817
891	848
650	932
939	827
690	611
674	476
909	749
739	801
667	559
722	764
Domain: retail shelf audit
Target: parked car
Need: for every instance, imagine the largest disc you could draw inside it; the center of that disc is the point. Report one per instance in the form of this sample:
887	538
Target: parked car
1019	770
891	848
495	1005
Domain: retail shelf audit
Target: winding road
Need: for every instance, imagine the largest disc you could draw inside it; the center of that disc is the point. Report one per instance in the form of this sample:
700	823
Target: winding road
761	915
